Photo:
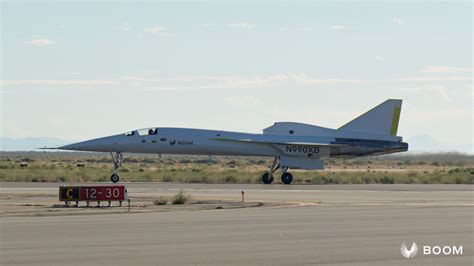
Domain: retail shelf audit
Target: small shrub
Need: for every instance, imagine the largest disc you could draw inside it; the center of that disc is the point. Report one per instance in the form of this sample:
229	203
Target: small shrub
130	160
230	179
247	180
387	180
205	161
167	178
180	198
459	180
149	161
205	179
412	174
162	200
194	180
198	179
145	178
368	180
233	163
318	180
355	180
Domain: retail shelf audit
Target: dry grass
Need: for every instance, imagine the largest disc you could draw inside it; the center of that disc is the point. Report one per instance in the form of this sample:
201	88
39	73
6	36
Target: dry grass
161	200
448	168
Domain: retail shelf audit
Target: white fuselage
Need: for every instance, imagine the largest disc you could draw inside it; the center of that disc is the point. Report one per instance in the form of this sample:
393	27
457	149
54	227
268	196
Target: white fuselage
188	141
212	142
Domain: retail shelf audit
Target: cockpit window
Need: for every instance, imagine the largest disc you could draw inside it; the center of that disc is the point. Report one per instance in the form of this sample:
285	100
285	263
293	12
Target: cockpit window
131	133
147	131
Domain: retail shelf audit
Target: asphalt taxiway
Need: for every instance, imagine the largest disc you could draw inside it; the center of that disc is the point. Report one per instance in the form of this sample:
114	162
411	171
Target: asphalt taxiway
355	225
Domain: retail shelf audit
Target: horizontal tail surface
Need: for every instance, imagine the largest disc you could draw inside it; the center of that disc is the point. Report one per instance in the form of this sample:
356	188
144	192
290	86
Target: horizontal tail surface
382	119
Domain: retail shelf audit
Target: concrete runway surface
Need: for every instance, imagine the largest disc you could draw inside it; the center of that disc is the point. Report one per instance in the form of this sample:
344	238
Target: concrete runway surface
331	224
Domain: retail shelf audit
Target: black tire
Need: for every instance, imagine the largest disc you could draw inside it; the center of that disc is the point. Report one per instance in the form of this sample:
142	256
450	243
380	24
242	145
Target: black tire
286	178
266	179
114	178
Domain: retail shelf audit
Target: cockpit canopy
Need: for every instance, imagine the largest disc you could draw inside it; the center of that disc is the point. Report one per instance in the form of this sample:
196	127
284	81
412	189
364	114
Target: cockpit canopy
130	133
143	132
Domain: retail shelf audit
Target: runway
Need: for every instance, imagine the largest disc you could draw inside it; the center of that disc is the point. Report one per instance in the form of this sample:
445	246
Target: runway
350	225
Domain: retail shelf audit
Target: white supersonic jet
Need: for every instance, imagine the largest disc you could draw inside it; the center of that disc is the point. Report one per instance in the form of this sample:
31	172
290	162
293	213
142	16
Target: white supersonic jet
293	145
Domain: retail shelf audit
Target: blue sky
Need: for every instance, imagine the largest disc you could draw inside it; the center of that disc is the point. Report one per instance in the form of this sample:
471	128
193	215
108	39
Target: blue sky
78	70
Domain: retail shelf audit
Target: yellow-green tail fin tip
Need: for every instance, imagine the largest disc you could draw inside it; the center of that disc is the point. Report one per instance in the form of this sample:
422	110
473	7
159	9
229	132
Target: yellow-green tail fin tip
395	119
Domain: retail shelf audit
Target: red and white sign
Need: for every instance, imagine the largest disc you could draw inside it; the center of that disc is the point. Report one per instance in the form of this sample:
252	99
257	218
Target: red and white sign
92	193
102	193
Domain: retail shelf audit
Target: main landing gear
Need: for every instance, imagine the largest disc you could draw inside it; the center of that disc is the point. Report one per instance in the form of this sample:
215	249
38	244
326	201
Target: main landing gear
286	177
117	159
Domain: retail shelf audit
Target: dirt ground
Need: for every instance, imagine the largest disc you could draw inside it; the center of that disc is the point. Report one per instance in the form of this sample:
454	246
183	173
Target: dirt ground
45	202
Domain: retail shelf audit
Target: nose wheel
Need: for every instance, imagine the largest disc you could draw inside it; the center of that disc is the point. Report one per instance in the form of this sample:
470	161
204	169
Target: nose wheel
114	178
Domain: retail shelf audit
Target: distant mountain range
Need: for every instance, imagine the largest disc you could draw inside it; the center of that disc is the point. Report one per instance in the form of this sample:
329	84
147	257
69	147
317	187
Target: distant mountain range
417	144
30	144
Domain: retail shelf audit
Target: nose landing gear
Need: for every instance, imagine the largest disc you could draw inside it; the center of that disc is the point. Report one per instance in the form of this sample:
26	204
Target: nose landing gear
117	159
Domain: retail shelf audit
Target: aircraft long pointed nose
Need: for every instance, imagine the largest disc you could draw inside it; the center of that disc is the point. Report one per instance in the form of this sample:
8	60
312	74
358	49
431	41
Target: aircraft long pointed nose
79	146
101	144
74	147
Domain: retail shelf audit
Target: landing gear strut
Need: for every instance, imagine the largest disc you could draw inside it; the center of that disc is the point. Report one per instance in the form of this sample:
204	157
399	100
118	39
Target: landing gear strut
286	177
117	159
267	178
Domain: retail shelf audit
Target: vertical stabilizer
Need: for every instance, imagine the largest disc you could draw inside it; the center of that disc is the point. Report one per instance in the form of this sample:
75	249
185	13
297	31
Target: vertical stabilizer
382	119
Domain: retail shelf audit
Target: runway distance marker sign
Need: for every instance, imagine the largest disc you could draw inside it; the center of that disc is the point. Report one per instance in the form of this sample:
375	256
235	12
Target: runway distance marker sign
92	193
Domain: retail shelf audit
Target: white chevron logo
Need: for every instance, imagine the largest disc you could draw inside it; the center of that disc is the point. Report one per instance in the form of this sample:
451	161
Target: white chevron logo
409	253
